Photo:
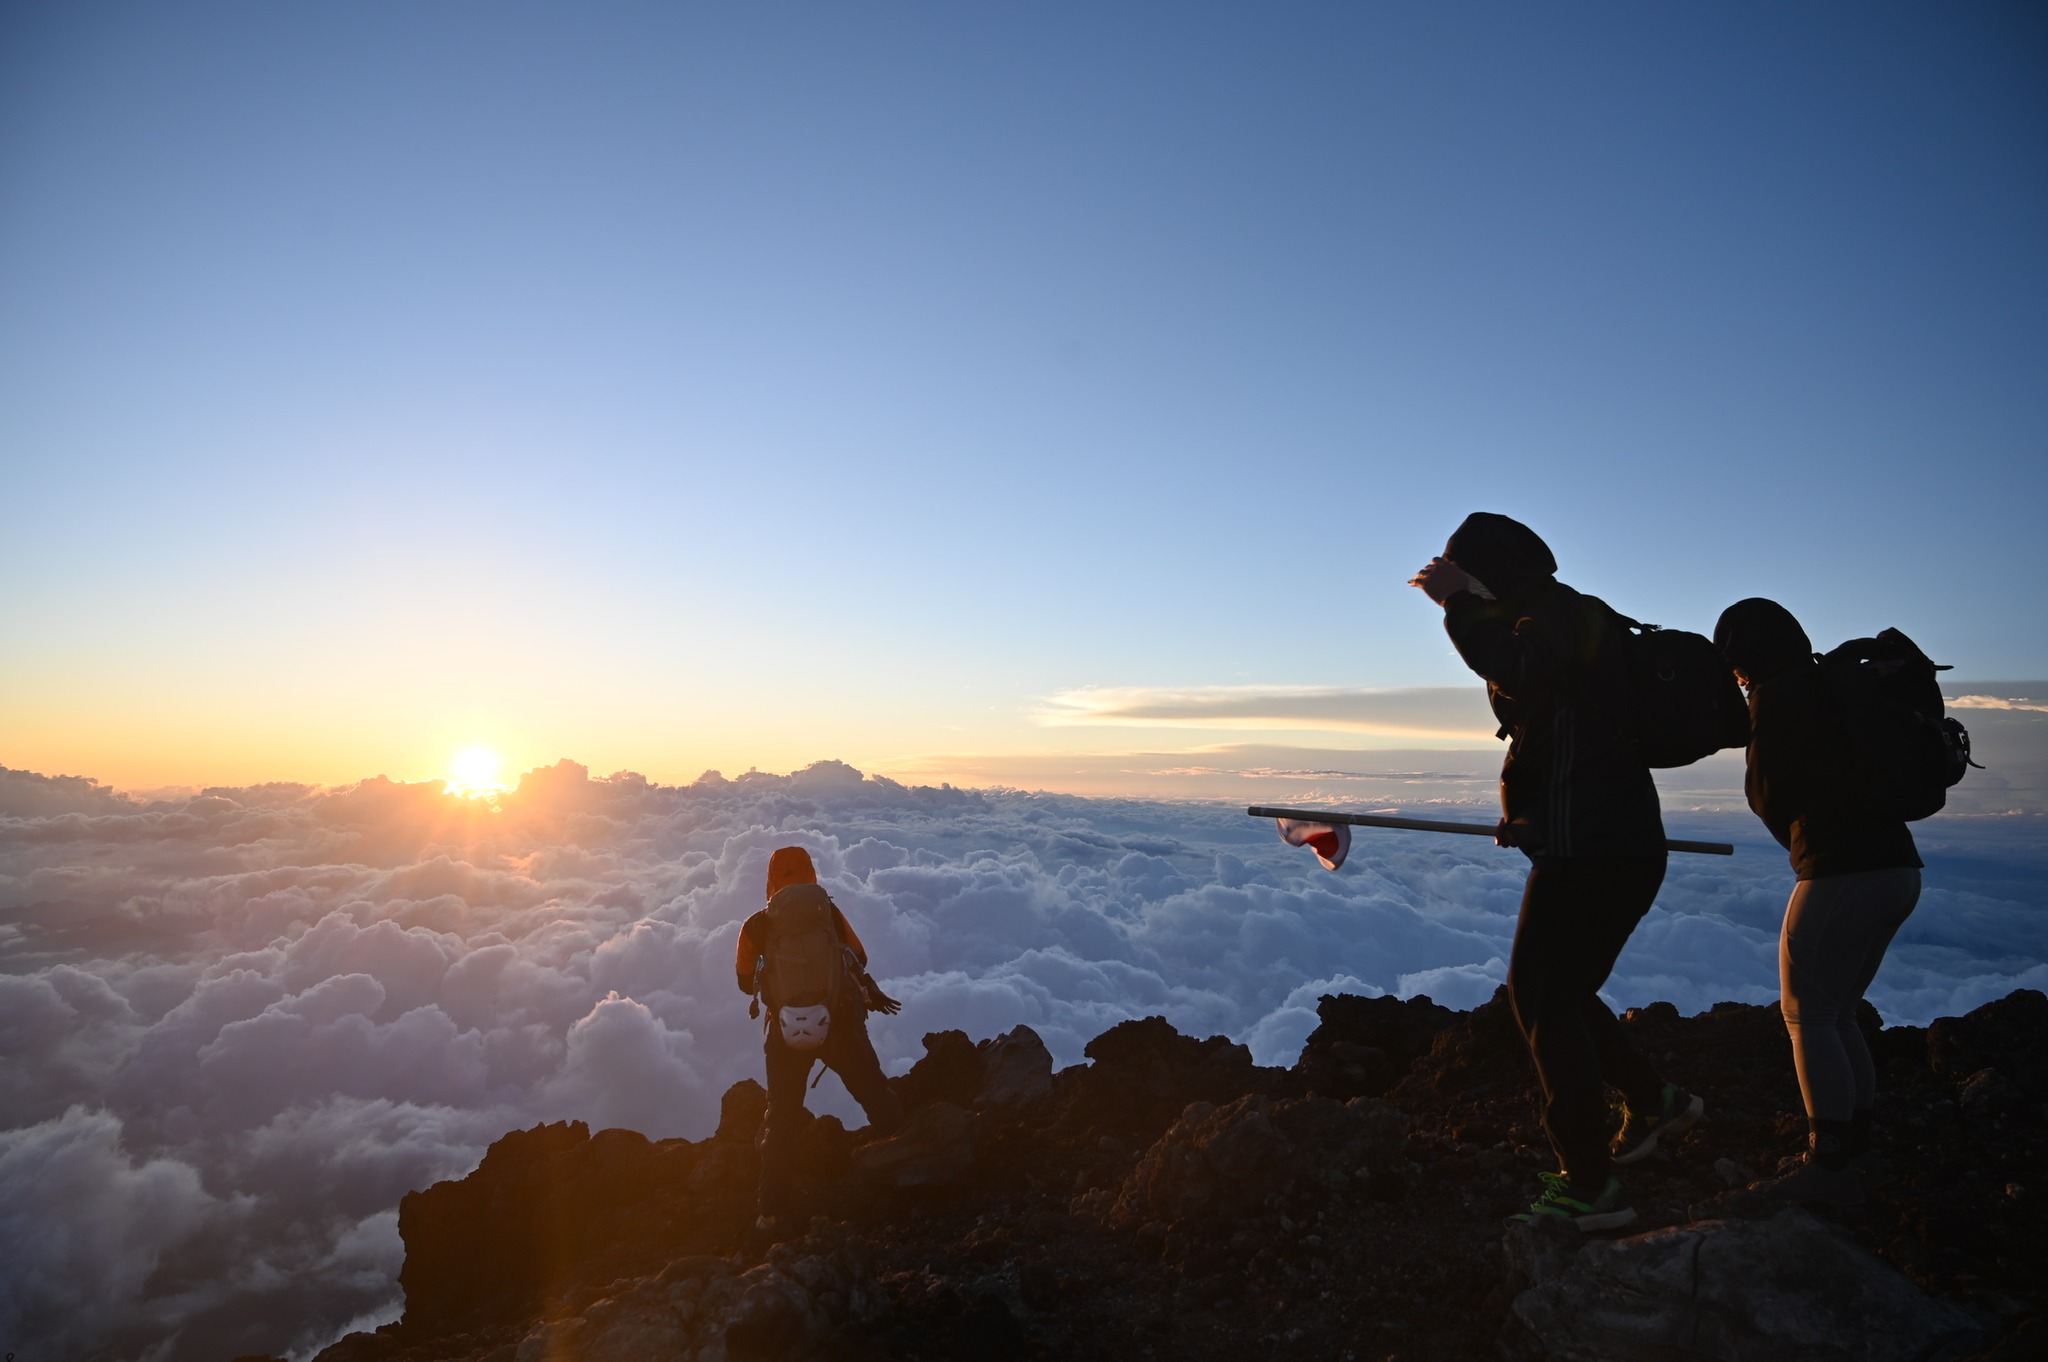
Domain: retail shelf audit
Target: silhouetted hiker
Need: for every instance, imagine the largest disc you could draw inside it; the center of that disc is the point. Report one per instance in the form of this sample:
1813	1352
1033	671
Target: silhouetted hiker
800	958
1859	878
1578	800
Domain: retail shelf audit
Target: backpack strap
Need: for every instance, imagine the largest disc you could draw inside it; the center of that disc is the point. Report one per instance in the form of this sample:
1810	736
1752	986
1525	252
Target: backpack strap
1592	626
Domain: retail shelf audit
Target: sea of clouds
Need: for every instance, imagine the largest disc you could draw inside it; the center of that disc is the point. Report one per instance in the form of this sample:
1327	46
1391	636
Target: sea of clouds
237	1026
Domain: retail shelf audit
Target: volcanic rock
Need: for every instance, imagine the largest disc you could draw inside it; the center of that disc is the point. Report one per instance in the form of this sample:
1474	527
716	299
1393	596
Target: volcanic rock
934	1148
740	1112
1362	1046
950	1071
1170	1198
1787	1289
2004	1034
1016	1068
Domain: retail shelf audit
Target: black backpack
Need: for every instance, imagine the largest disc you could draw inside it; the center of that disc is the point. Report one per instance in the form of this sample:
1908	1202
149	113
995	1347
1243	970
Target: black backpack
1687	703
1908	753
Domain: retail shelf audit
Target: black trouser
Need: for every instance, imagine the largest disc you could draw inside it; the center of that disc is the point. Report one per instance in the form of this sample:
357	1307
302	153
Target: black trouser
1577	912
847	1052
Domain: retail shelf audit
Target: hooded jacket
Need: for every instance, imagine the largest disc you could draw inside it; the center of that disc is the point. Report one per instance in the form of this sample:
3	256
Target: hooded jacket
1800	778
1557	677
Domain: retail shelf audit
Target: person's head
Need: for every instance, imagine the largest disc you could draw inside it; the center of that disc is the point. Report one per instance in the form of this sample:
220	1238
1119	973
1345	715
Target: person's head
1505	555
789	865
1760	640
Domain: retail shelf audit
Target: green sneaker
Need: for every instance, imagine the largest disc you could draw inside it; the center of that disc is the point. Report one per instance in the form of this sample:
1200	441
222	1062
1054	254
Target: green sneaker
1641	1131
1604	1212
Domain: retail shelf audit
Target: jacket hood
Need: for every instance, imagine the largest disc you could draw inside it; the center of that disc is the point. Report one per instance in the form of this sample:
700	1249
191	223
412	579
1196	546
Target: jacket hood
1760	639
1505	555
789	865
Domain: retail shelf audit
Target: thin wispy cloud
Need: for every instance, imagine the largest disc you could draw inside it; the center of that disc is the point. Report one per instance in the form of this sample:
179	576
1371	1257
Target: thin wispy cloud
1227	771
1994	702
1441	714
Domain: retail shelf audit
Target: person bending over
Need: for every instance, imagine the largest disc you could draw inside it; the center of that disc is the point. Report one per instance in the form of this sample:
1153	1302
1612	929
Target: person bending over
1858	880
1578	800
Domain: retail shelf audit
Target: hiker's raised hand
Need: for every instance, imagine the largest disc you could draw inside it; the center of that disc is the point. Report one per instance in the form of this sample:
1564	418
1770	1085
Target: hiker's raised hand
1440	579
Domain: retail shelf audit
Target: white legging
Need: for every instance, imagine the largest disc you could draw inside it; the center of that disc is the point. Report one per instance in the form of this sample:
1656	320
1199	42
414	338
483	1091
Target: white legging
1836	932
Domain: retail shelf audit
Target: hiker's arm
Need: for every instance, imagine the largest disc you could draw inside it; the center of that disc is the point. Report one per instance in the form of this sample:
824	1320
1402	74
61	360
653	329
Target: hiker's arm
877	1000
744	955
1775	779
1531	653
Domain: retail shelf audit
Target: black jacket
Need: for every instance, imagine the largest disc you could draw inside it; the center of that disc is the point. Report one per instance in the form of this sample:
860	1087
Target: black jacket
1557	677
1800	782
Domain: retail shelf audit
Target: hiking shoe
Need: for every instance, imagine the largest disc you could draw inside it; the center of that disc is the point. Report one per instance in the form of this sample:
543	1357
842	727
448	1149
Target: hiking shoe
1604	1212
1811	1183
1641	1131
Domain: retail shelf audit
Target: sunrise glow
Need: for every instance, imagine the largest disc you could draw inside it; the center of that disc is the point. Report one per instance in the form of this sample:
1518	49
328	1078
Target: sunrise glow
473	772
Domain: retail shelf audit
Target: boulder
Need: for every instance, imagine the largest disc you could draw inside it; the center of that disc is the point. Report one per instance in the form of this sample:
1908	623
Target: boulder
724	1166
1214	1161
1988	1092
1016	1069
1362	1046
933	1148
1786	1289
2004	1034
630	1330
1222	1162
740	1112
951	1071
1144	1073
773	1317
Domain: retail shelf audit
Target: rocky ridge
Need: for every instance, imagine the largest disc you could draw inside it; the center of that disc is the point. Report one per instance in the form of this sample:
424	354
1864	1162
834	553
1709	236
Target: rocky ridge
1172	1199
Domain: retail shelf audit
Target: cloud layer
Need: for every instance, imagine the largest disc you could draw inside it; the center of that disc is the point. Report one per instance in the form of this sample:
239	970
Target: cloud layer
1442	713
236	1027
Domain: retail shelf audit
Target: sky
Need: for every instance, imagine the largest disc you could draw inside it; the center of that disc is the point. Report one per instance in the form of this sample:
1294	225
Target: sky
673	388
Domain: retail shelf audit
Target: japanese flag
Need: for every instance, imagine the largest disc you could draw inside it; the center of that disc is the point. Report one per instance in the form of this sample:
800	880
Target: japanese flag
1331	842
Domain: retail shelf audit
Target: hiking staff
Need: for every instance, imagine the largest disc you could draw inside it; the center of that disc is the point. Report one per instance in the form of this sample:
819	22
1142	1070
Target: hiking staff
1502	834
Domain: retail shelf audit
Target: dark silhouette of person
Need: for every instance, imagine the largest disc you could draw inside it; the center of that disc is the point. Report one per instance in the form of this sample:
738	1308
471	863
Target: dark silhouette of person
1579	801
846	1049
1858	880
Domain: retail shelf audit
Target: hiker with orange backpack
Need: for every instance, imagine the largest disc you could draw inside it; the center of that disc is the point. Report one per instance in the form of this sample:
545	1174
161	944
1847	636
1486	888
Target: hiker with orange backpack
800	960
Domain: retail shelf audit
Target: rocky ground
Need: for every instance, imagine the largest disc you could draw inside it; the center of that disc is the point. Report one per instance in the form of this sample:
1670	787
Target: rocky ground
1170	1199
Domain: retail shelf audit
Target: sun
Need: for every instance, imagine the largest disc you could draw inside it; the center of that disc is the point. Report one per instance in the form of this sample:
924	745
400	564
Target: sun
474	772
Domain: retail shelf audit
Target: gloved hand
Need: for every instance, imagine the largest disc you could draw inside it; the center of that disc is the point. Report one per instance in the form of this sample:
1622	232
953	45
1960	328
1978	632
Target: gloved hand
879	1001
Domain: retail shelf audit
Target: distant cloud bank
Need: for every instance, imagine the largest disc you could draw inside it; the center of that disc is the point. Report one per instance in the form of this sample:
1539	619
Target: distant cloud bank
240	1024
1441	713
1996	702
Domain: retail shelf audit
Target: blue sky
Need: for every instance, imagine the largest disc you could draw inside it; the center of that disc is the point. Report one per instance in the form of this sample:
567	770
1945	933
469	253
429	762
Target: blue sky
670	387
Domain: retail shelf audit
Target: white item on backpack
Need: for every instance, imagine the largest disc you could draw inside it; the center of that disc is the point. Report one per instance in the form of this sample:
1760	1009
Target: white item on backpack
804	1028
